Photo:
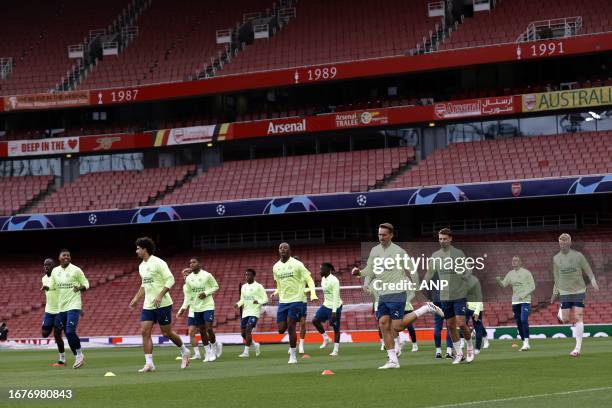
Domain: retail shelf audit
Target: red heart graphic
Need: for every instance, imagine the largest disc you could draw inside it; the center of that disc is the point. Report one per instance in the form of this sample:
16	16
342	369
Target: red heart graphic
73	143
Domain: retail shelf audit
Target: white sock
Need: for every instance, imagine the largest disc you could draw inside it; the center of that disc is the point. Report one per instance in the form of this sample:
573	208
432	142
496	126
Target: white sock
301	343
149	359
325	336
79	352
336	347
470	344
421	311
62	357
184	349
256	344
292	352
382	342
457	346
196	351
392	355
397	341
246	349
449	350
438	350
526	342
578	332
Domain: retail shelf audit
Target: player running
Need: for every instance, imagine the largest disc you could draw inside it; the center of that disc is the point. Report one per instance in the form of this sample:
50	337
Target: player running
51	319
157	308
252	297
290	276
568	267
331	309
192	328
390	285
523	285
69	281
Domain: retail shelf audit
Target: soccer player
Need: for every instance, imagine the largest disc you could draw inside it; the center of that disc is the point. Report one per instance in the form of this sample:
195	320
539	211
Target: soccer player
157	308
475	309
410	293
523	285
449	263
290	276
69	281
51	319
203	286
191	324
391	298
302	321
331	309
252	297
568	267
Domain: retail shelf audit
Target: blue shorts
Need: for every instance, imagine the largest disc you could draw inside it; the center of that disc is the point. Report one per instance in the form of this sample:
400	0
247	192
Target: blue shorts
569	301
248	321
325	313
392	305
161	315
304	309
191	321
51	320
203	317
454	308
291	310
70	320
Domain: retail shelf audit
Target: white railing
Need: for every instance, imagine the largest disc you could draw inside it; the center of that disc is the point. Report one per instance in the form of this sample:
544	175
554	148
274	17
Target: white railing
6	67
246	17
110	48
482	5
224	36
435	8
287	13
129	32
76	51
261	31
555	28
95	33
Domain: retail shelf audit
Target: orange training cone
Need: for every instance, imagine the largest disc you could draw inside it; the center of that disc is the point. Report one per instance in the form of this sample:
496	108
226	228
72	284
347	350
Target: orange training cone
327	372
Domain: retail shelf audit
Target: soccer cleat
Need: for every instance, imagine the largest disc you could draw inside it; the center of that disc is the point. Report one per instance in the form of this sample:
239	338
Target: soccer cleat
575	353
59	364
185	361
257	349
389	364
470	356
458	358
147	368
292	360
434	309
525	348
485	343
415	347
206	356
79	361
333	354
449	355
325	343
218	349
196	357
438	355
244	355
212	356
476	351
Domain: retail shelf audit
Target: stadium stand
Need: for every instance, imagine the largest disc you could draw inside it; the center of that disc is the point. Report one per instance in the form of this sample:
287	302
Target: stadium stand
326	32
283	176
115	189
156	56
18	192
512	159
503	24
38	42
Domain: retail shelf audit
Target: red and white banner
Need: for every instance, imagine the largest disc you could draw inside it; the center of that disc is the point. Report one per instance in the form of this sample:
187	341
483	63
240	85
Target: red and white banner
498	105
188	135
60	145
46	101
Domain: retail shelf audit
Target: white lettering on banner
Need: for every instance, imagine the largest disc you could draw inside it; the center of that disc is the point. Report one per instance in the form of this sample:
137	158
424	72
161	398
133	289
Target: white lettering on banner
60	145
295	127
477	107
194	134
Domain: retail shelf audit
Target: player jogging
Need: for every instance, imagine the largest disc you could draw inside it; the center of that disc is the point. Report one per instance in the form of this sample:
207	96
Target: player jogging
51	319
252	297
331	309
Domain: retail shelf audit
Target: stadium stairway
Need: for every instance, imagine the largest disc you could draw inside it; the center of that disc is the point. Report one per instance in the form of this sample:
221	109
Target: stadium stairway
18	194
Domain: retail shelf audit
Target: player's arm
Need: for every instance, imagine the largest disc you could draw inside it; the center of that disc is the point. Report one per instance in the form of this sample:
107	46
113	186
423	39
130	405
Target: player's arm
186	300
530	284
586	268
503	282
335	298
368	271
309	282
240	303
555	292
261	298
81	282
478	306
168	279
139	295
275	293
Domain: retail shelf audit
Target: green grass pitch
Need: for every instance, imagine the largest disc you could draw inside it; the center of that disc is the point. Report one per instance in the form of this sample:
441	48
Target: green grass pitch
501	376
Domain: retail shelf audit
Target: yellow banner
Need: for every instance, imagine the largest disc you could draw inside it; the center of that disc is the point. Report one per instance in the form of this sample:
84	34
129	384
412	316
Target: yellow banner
570	99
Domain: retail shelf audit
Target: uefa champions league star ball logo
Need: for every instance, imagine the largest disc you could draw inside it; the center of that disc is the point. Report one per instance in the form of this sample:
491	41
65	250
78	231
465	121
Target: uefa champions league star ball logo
446	194
147	215
290	204
362	200
590	185
221	210
19	223
93	218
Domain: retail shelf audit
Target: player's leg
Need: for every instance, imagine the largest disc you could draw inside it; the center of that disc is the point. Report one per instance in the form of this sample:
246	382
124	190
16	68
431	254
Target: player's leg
164	314
449	343
146	326
335	324
578	311
525	311
59	342
72	322
303	328
478	329
193	331
248	336
413	337
386	327
281	317
438	324
201	328
323	314
380	336
401	324
516	310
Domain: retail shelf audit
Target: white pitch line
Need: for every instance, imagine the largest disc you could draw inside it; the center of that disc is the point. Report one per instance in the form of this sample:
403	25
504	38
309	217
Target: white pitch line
471	403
